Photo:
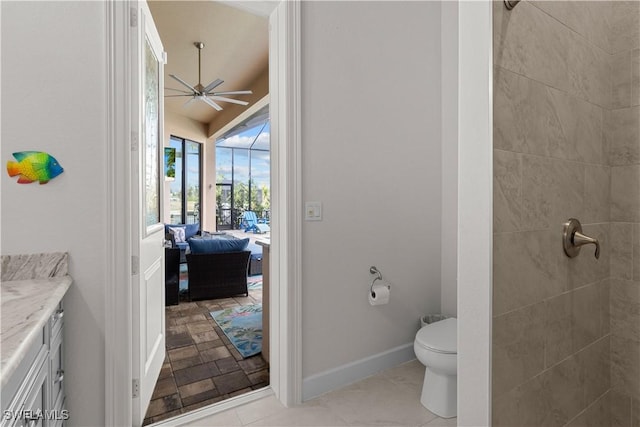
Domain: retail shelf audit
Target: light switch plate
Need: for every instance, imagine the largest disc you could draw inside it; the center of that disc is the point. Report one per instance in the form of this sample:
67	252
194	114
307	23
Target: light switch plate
313	211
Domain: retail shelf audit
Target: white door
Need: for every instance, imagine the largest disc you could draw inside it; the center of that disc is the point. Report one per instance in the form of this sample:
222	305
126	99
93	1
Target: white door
147	222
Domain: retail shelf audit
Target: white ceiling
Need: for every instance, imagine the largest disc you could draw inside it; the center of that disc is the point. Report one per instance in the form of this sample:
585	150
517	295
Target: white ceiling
236	50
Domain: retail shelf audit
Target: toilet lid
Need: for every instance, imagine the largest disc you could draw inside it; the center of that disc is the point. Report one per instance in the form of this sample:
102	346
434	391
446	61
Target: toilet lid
439	336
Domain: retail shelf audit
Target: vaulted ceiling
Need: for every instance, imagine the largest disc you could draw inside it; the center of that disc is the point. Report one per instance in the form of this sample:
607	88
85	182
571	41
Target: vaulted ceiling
236	51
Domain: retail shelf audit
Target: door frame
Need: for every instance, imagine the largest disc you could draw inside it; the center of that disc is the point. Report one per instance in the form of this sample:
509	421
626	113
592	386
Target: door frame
286	263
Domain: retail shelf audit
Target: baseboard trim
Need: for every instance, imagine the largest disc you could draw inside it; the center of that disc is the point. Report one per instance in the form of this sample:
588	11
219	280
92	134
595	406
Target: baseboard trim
320	383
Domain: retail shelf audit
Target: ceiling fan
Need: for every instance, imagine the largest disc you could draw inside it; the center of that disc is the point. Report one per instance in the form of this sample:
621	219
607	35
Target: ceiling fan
205	93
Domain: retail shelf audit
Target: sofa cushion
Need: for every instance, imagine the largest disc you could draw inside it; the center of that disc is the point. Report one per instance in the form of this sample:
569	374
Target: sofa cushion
212	246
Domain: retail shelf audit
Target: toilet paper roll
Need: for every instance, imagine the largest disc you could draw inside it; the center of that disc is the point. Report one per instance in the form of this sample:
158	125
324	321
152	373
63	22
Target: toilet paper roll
379	294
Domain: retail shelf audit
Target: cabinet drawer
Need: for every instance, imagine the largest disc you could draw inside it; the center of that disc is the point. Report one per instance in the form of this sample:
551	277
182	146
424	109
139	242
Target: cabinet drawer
56	357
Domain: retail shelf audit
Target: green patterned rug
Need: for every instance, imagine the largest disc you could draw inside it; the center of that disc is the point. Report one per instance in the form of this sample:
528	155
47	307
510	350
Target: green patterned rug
243	326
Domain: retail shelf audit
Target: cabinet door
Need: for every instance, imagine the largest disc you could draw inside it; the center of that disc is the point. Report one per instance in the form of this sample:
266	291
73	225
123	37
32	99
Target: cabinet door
57	373
35	402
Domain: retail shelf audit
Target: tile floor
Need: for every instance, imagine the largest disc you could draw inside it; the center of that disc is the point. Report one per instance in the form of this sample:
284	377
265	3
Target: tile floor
390	398
202	367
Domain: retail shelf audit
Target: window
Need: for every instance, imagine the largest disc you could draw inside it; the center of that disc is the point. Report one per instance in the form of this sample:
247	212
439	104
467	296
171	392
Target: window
185	191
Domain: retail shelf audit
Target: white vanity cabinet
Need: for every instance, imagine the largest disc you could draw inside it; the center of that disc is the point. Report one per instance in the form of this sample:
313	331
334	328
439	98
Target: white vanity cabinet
33	372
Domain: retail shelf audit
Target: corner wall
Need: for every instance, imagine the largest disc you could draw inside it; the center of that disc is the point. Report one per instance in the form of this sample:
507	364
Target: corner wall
53	100
371	141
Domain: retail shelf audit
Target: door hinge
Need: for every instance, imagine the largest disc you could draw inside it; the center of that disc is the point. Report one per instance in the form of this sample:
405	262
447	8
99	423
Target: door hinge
134	140
135	264
164	58
136	387
133	17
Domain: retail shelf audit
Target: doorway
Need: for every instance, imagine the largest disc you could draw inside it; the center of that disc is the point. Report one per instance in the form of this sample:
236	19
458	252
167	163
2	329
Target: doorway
284	43
207	330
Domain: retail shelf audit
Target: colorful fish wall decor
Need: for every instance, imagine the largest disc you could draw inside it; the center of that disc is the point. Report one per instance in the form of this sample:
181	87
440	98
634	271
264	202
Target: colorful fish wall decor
34	166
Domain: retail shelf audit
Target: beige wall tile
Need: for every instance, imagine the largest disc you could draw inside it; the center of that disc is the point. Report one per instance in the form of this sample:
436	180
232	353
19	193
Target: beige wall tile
549	399
635	77
625	309
564	387
580	128
586	315
574	320
558	328
605	307
595	364
588	18
507	191
621	79
525	405
625	26
598	414
625	193
530	42
522	120
620	409
622	130
518	347
622	250
636	252
532	118
528	267
597	194
552	191
625	365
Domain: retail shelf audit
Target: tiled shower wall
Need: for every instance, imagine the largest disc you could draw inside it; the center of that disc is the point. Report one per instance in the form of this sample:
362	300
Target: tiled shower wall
622	135
566	144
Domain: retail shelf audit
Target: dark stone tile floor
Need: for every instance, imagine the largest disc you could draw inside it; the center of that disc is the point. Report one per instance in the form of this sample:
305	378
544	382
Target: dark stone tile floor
201	366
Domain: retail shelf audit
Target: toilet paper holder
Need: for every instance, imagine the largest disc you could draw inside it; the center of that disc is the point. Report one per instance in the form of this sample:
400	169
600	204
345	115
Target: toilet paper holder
374	270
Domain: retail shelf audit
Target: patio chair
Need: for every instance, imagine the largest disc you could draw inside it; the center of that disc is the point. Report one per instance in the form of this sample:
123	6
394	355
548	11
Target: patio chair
251	223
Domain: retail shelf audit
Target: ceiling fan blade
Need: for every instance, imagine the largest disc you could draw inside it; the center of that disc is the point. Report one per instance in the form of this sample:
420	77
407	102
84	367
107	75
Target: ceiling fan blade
173	96
177	90
233	101
214	84
210	102
189	102
184	83
233	92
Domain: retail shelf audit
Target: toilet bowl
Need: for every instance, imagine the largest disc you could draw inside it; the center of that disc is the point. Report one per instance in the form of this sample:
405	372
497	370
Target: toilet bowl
436	348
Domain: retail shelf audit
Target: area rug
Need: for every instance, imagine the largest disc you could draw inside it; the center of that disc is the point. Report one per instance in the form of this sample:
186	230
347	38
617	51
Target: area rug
243	326
254	283
184	277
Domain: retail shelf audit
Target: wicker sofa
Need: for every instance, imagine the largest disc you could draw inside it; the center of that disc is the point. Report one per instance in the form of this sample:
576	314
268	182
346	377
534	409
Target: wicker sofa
218	275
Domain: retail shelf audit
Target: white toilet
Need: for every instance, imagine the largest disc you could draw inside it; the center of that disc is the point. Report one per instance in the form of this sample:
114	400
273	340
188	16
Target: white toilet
436	348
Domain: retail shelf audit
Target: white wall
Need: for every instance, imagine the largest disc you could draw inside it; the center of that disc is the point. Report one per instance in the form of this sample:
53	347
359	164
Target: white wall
371	137
53	100
475	214
449	232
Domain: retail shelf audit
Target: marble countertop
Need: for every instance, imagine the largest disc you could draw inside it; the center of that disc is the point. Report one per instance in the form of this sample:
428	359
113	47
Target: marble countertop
26	307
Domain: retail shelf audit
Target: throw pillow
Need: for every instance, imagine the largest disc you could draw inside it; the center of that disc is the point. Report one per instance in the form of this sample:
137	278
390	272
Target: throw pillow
212	246
178	234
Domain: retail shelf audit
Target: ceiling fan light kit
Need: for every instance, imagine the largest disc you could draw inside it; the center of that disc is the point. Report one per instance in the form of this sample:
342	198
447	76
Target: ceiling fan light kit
205	93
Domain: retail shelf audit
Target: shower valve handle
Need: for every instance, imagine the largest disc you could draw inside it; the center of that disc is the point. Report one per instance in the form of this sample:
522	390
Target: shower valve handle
573	239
